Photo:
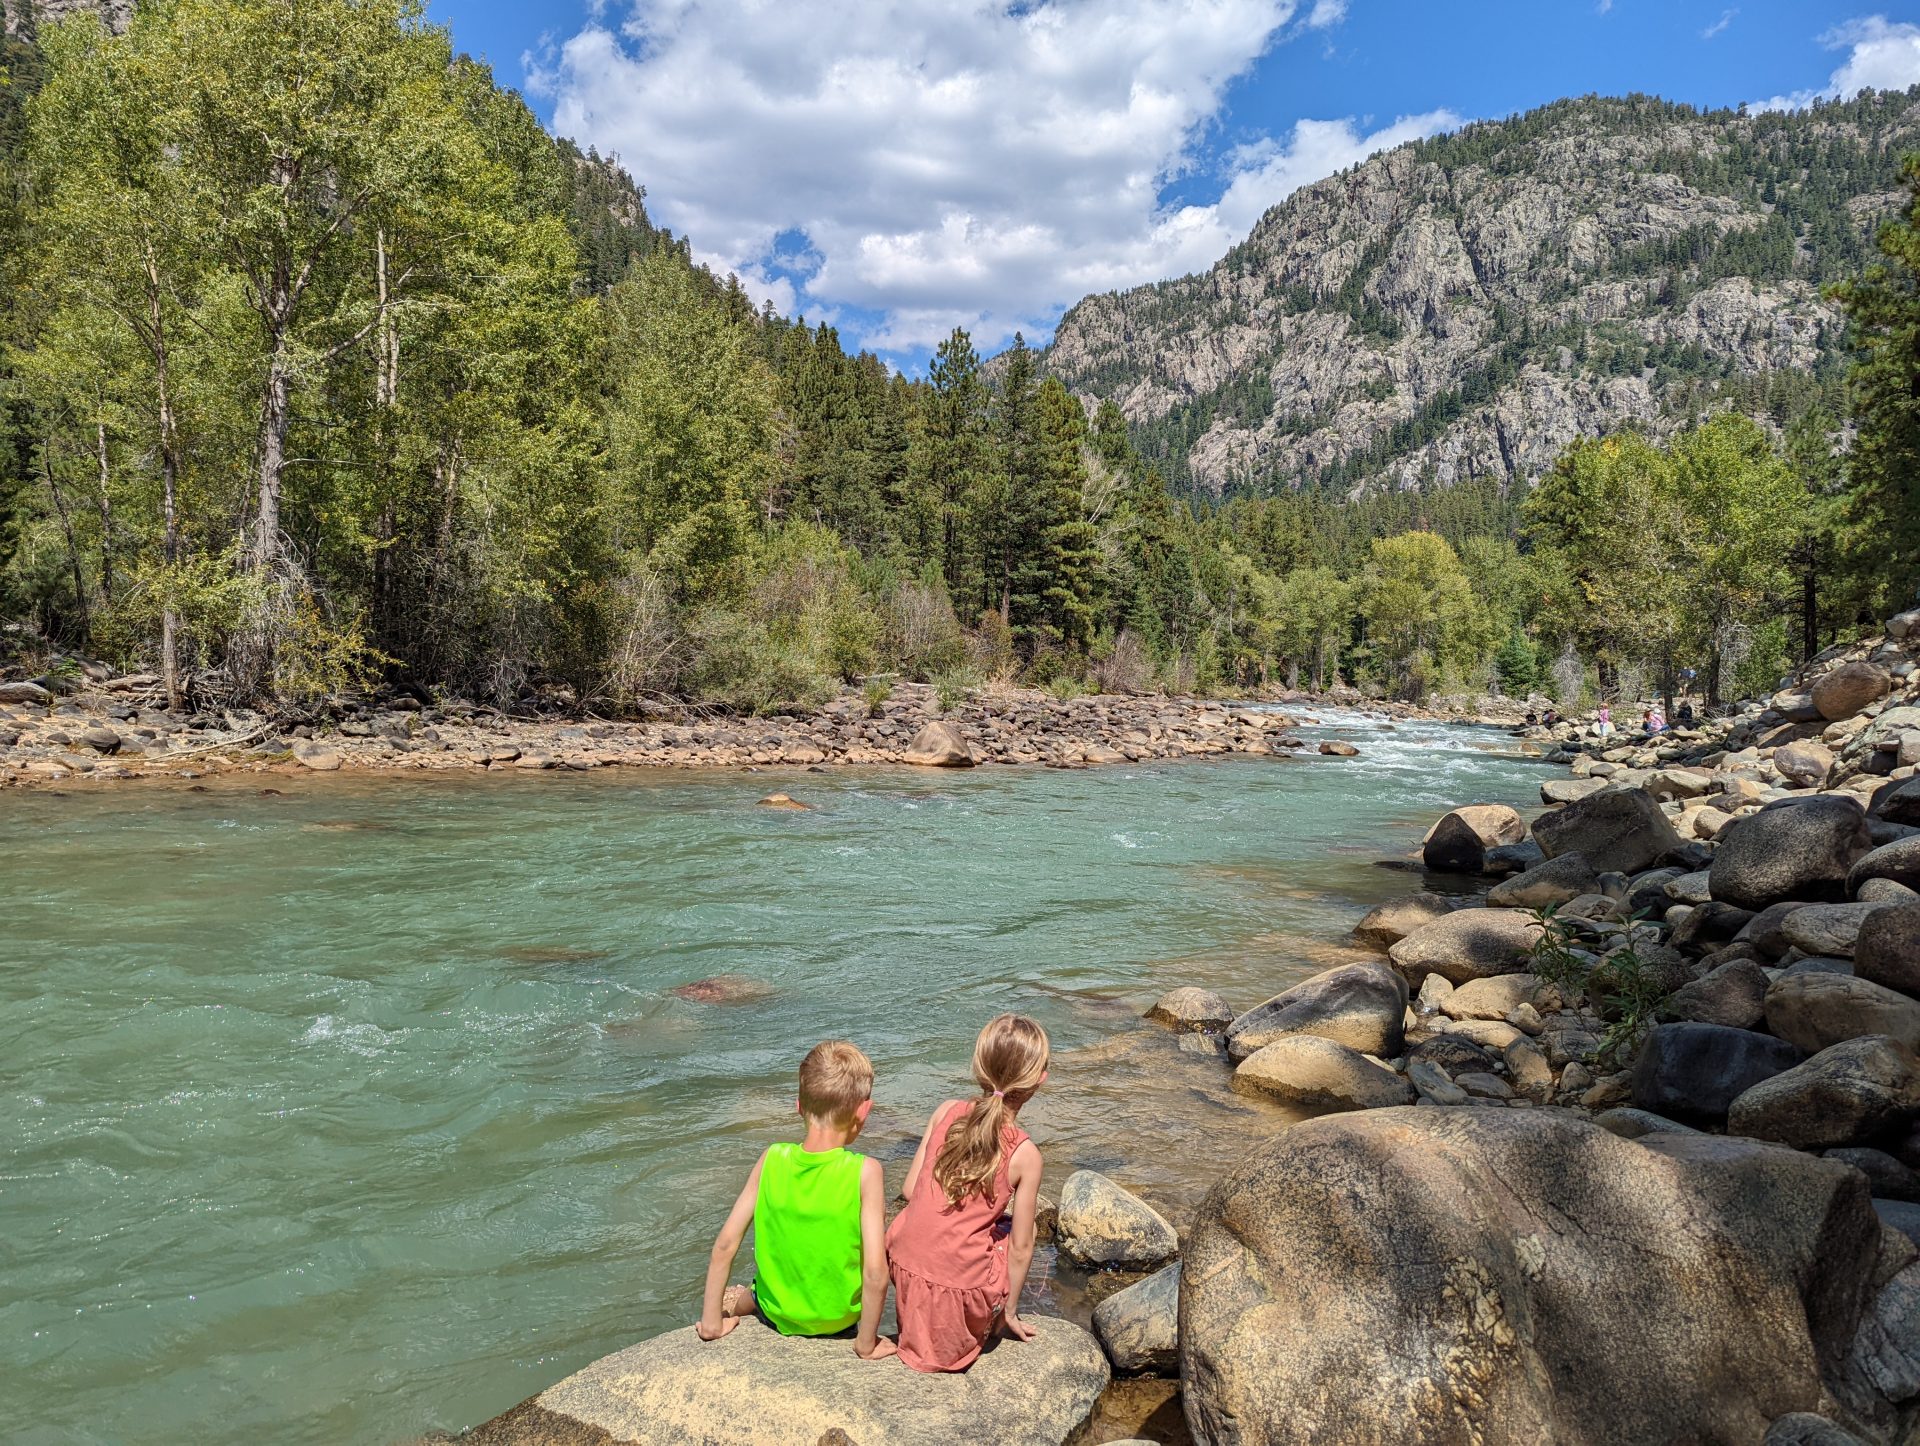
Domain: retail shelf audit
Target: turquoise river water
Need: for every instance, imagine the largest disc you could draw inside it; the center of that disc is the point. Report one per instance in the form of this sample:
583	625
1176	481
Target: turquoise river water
366	1109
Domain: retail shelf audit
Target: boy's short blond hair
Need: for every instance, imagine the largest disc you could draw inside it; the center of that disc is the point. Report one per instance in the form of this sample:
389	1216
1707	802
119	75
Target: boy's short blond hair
835	1079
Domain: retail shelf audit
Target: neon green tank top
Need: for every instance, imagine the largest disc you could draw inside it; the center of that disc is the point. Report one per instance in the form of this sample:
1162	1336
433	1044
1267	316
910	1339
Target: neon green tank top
806	1240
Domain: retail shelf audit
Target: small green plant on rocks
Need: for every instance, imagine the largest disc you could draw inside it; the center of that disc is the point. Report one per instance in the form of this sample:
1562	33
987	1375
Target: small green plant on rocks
950	689
1628	992
1553	958
877	691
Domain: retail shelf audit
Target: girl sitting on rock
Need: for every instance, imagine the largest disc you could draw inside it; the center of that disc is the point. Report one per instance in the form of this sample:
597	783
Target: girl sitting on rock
957	1263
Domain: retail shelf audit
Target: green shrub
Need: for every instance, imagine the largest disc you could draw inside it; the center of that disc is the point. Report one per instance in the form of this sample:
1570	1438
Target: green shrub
951	688
877	691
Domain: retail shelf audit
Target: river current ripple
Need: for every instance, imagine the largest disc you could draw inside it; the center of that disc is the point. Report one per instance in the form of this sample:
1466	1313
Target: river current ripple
366	1108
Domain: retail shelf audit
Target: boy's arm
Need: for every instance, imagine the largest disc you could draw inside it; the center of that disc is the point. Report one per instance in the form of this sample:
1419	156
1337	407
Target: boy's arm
920	1155
873	1263
712	1325
1026	1198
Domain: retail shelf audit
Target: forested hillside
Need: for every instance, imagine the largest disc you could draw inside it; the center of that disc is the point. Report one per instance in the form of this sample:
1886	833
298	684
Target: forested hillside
1464	307
325	370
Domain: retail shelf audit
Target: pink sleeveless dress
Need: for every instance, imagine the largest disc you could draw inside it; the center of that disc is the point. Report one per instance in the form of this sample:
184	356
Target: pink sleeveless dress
949	1262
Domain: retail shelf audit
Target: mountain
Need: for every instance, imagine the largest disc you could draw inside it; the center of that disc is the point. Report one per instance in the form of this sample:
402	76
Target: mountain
1463	307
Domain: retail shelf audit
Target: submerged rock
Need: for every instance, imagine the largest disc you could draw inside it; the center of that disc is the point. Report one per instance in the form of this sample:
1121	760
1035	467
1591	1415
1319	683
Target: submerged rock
1191	1011
1504	1278
723	989
755	1387
782	801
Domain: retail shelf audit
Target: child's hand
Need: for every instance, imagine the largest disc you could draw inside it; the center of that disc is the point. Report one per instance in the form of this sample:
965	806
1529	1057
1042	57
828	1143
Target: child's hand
882	1348
727	1323
1014	1328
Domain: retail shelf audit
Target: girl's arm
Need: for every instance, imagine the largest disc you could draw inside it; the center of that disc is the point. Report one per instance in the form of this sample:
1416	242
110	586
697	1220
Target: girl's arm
1024	1169
712	1325
867	1343
920	1155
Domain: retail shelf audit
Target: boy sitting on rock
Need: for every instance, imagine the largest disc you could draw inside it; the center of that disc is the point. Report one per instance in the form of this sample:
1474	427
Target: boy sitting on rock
819	1218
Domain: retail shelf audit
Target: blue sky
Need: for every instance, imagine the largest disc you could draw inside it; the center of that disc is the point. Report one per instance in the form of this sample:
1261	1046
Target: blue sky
903	166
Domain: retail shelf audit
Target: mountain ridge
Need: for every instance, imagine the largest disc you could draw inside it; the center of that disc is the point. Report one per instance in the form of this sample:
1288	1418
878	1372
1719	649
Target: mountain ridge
1466	305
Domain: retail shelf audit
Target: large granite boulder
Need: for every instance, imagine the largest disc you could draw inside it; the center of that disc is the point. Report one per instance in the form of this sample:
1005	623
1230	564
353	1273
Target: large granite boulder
1733	994
1693	1072
938	745
1387	924
1845	690
1100	1224
1899	861
1139	1326
1316	1073
1795	849
1886	951
1826	929
755	1387
1619	830
1898	803
1815	1009
1363	1006
1504	1278
1459	842
1548	885
1804	762
1467	944
1848	1094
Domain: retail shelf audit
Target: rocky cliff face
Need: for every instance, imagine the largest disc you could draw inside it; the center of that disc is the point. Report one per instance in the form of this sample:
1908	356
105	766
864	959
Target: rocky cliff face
1466	306
22	18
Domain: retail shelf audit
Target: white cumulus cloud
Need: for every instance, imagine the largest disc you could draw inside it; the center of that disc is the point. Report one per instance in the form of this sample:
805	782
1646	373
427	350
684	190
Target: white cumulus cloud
1881	55
946	162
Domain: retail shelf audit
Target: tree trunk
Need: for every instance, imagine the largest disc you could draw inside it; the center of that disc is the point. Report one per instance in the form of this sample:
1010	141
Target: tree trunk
274	420
169	485
1809	612
66	528
106	515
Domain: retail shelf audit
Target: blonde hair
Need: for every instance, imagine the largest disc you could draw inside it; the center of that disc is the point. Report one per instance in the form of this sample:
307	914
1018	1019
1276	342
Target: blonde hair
1009	1059
835	1079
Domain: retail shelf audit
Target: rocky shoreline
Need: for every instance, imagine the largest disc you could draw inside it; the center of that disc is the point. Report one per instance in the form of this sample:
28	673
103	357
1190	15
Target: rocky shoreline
1618	1140
101	729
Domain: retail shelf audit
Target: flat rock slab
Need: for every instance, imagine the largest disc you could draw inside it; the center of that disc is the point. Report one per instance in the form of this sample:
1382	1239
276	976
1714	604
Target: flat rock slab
756	1387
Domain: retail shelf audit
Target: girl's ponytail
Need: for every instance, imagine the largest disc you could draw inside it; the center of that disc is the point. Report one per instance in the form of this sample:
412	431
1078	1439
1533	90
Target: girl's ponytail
1009	1061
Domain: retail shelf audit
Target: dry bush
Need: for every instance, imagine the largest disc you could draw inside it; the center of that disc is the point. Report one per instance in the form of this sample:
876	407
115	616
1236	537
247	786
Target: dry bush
1127	668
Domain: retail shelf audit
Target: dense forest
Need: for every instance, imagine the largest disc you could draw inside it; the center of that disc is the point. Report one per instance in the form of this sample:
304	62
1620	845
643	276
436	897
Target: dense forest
325	368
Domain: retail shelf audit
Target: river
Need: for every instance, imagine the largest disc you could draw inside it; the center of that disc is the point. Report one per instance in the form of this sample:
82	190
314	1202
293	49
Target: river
364	1108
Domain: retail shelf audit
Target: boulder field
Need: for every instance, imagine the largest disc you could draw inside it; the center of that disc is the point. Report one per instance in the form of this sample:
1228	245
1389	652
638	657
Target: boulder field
104	728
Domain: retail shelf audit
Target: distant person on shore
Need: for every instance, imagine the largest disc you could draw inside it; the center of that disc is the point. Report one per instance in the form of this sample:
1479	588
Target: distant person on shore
1651	723
958	1261
1603	725
819	1217
1684	715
